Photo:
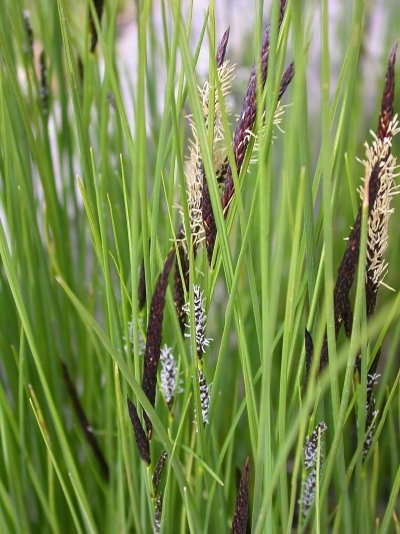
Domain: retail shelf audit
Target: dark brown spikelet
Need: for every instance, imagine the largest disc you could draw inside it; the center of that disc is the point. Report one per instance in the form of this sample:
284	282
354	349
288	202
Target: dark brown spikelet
179	289
99	5
348	266
309	348
43	89
158	501
83	422
220	173
158	470
285	81
386	114
140	435
210	229
385	118
239	522
141	288
153	336
246	121
221	50
247	115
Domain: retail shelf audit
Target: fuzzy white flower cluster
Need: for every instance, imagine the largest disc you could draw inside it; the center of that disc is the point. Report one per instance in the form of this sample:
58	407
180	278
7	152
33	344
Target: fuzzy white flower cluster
379	153
204	396
200	320
194	172
310	455
170	384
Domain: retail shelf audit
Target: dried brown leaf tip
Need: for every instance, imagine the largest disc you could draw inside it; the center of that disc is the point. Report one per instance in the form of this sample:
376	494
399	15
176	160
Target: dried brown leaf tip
140	435
240	517
153	336
98	5
83	421
158	470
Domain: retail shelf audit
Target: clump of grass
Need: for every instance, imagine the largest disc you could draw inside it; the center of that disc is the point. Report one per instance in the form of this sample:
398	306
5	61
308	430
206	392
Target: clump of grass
93	158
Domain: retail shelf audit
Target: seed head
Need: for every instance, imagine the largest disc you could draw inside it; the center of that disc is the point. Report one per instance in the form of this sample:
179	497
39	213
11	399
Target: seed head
310	455
195	177
158	470
200	321
153	336
169	375
204	396
371	412
310	449
142	441
240	517
157	514
379	153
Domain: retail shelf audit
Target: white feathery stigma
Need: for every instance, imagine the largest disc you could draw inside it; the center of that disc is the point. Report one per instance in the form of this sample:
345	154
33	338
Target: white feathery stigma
378	152
194	172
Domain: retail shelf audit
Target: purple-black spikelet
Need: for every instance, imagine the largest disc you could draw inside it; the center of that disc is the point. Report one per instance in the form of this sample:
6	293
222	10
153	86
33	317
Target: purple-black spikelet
240	517
386	114
285	81
181	285
140	435
153	337
83	421
309	348
141	287
99	5
347	268
380	150
380	167
158	470
248	115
